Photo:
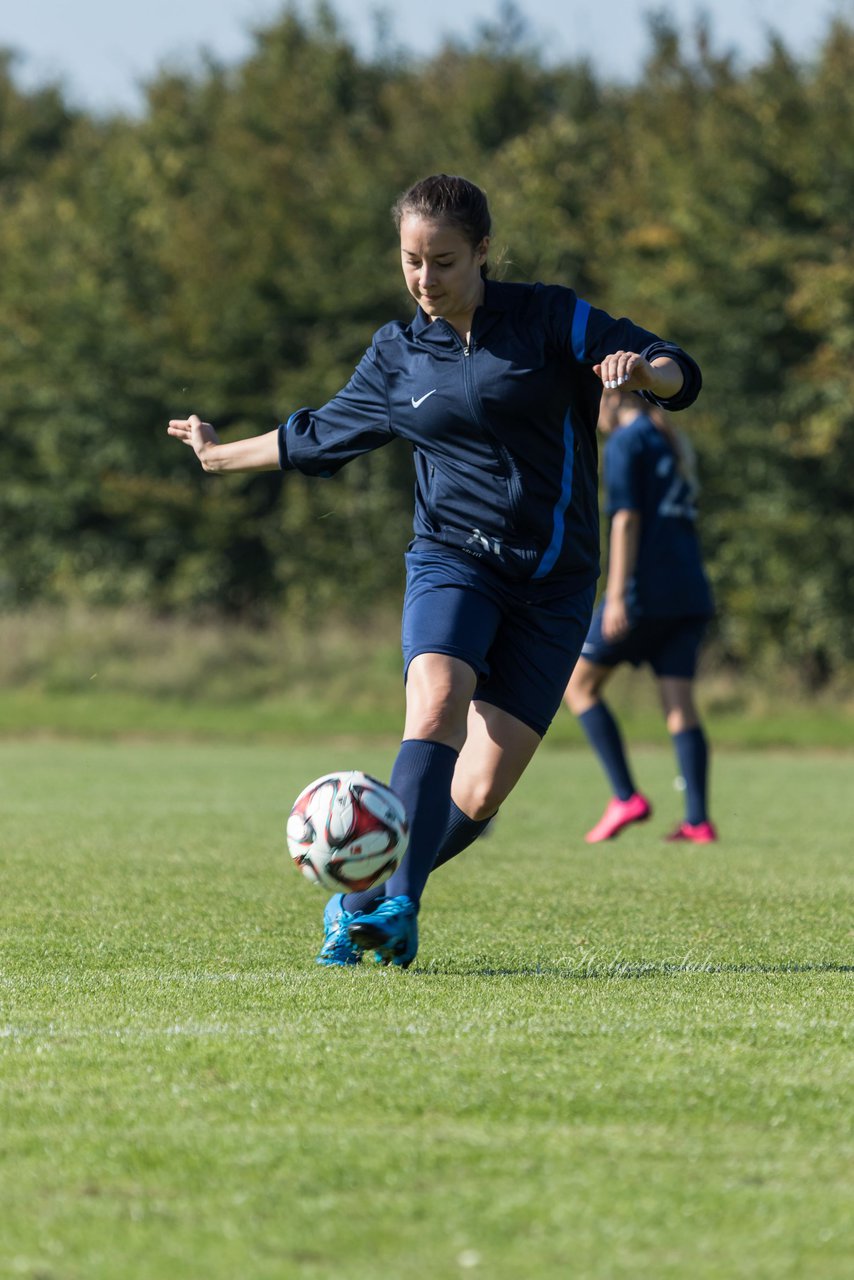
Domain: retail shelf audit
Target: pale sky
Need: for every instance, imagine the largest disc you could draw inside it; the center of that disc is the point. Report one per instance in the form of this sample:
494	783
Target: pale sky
102	50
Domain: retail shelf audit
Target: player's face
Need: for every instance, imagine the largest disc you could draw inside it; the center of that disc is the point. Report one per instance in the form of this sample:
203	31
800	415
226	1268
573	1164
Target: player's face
441	269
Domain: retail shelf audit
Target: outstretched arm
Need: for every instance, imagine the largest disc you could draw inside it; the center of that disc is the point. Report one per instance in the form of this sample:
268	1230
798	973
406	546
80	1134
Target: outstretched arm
255	453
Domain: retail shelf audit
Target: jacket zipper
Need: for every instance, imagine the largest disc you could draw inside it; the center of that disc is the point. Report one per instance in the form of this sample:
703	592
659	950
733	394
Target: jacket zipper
501	453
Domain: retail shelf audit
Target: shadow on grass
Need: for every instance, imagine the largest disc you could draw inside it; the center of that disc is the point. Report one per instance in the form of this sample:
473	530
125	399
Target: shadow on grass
627	969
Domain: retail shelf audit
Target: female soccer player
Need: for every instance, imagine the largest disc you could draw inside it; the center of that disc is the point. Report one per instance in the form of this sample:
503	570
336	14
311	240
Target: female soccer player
656	606
496	386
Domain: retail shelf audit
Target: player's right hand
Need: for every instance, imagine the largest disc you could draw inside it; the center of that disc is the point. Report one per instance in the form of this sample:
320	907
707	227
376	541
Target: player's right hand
193	432
615	620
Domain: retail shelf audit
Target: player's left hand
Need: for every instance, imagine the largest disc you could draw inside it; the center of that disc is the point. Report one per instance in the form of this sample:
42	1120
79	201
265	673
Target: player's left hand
626	370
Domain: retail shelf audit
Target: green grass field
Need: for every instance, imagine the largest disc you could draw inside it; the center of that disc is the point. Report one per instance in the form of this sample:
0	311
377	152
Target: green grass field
630	1062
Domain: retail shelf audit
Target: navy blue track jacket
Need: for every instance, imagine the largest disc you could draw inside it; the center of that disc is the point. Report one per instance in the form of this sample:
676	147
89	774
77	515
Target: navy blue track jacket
503	431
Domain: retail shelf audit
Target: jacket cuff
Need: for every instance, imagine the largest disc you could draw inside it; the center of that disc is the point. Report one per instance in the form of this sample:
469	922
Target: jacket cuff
284	458
693	379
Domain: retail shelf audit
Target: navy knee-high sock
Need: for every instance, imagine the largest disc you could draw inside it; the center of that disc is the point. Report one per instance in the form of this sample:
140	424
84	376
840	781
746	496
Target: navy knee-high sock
460	832
603	734
692	755
421	777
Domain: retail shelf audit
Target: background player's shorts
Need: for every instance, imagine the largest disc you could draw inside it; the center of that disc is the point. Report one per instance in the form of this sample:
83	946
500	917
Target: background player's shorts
522	639
669	645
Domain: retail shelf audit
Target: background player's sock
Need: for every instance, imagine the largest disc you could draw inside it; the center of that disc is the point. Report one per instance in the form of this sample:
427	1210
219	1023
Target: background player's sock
604	737
692	754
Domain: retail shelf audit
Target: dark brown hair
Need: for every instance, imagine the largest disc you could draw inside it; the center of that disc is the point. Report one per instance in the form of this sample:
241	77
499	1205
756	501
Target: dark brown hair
445	198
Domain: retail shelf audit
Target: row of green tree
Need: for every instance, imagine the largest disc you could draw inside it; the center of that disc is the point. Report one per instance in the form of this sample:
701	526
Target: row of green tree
230	252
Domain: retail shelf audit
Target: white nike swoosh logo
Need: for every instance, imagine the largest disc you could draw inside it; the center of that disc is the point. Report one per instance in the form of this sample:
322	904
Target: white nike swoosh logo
421	399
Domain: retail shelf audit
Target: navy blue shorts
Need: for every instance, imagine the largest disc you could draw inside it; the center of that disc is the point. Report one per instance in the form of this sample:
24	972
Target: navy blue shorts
669	645
522	639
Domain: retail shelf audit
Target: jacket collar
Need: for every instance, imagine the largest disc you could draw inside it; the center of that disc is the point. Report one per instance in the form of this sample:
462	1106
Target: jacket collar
495	298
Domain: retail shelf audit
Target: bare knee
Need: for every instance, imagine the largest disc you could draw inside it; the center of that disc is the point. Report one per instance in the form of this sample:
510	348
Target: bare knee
680	720
438	693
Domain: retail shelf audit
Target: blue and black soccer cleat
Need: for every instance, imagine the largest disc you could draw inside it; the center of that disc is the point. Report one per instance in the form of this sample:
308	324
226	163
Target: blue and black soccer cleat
337	947
391	930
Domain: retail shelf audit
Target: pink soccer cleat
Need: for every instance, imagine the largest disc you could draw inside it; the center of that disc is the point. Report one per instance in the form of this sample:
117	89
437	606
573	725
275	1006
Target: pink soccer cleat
618	814
696	833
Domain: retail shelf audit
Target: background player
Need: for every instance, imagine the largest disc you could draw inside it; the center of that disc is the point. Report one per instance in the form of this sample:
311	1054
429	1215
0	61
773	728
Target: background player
656	607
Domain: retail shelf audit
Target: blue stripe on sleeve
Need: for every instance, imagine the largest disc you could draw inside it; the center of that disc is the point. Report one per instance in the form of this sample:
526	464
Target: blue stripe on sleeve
579	328
284	428
559	516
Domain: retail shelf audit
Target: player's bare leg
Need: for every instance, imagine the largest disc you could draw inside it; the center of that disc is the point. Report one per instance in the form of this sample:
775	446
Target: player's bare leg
497	751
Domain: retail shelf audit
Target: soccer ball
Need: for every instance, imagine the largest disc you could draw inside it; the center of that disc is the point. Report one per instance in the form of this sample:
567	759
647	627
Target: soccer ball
347	832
